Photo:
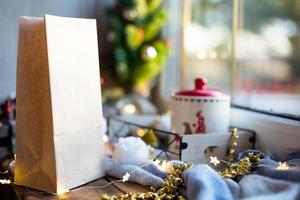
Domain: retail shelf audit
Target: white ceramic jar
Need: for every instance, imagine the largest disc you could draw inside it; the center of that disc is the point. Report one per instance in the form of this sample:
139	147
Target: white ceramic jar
200	110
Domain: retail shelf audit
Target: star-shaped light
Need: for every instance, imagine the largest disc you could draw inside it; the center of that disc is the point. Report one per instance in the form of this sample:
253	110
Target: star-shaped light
126	177
214	160
282	166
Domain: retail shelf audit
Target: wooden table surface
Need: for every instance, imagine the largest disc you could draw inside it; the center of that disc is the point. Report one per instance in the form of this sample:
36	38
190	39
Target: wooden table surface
90	191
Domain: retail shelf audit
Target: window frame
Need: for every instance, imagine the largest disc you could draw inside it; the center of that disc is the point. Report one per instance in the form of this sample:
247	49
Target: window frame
275	133
279	135
237	5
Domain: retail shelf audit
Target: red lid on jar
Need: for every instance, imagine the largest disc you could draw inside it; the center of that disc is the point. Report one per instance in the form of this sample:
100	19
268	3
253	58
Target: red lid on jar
200	90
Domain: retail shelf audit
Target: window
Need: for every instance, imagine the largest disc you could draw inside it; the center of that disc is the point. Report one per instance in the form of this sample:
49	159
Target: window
268	56
207	43
248	48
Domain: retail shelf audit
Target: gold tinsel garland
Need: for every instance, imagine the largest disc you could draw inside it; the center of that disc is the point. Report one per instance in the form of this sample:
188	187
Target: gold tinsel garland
241	167
166	192
232	144
174	180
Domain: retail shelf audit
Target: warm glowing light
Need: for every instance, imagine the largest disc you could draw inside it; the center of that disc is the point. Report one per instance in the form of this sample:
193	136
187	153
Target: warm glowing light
126	177
141	132
5	181
212	54
201	55
129	108
105	138
224	55
165	166
200	38
214	160
282	166
151	52
61	191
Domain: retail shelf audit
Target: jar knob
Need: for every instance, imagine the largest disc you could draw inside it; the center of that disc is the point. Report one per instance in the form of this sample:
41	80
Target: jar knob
200	83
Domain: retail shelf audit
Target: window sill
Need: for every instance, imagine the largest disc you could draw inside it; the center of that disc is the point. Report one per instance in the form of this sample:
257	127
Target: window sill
276	135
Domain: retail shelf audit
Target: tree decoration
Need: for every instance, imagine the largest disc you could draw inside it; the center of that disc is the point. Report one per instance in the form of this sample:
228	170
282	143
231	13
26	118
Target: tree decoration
148	52
111	36
129	14
139	51
134	36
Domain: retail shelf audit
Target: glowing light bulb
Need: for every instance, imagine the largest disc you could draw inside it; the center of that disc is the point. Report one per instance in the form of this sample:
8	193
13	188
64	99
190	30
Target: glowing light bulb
164	166
201	55
105	138
141	132
129	108
151	51
5	181
126	177
282	166
214	160
212	54
61	191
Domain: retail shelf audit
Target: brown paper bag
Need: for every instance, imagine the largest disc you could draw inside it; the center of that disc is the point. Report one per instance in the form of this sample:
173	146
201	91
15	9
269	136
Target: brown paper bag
59	141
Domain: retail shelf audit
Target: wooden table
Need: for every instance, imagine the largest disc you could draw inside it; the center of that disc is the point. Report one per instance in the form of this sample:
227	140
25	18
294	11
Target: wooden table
88	191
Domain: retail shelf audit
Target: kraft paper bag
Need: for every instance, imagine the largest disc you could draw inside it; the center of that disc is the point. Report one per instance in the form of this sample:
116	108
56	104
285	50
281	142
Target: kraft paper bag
59	141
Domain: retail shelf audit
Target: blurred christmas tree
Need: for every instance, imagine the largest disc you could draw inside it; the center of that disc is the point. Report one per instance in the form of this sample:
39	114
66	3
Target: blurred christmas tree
139	51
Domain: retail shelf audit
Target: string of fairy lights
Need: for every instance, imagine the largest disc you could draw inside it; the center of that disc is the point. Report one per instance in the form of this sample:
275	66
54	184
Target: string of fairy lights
169	189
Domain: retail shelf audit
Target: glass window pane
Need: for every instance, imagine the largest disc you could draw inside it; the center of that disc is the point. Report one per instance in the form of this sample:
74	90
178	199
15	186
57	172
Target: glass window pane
268	56
207	43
